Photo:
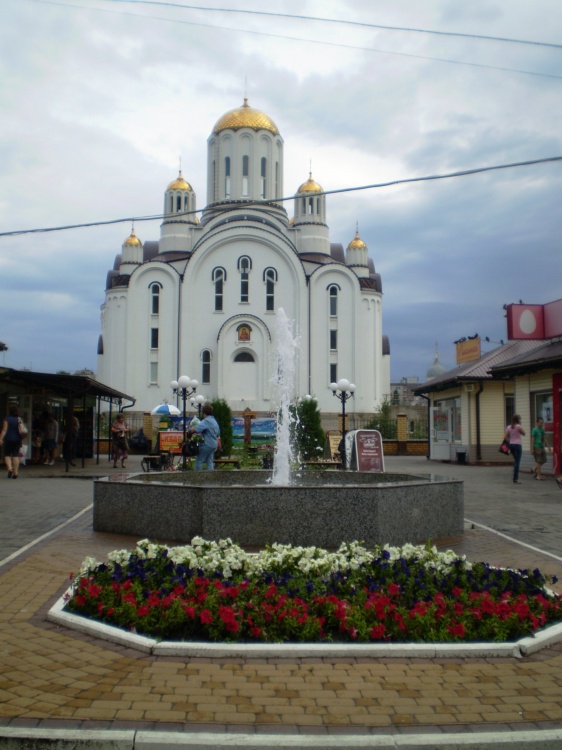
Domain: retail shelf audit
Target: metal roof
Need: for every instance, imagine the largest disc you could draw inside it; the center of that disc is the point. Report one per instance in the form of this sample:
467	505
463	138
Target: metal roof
64	386
547	355
480	369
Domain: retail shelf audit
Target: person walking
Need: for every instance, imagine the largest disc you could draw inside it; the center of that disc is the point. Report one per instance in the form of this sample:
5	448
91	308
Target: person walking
209	428
11	438
539	446
513	434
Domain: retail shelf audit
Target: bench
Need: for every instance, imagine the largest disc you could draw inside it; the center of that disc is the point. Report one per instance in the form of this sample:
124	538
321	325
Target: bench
228	461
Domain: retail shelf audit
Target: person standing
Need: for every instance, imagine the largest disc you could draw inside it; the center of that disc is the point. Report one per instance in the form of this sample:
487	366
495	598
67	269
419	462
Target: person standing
50	441
513	434
209	428
539	444
119	430
11	438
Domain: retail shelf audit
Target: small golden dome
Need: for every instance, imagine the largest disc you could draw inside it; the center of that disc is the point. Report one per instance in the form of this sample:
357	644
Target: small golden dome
356	243
132	239
245	117
310	186
179	184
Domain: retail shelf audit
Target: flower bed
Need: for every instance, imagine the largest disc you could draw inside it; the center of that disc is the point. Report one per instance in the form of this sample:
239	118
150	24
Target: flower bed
214	591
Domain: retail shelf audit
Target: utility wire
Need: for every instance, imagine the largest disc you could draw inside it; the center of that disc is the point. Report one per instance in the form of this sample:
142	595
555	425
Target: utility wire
408	180
304	39
345	22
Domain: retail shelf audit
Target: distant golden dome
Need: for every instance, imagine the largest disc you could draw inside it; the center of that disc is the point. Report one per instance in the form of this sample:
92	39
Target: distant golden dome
132	239
310	186
356	243
179	184
245	117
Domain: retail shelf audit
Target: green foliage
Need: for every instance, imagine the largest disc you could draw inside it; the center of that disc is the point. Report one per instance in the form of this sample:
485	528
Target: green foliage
383	422
223	414
308	435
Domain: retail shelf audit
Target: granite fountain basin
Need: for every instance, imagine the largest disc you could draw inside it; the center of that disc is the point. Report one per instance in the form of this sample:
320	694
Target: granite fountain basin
320	509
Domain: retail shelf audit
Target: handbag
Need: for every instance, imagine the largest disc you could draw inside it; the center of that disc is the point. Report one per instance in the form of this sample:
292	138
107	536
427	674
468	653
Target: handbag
504	448
22	429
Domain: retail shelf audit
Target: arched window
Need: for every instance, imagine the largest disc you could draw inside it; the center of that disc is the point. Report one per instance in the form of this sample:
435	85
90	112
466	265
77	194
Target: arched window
333	300
263	174
277	179
227	177
219	277
205	366
171	204
244	357
245	175
178	203
270	279
155	299
244	266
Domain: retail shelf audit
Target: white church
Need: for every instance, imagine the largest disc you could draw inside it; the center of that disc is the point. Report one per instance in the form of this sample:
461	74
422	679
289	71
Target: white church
202	300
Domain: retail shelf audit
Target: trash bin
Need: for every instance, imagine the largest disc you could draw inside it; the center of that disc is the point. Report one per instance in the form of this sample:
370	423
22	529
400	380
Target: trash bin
461	456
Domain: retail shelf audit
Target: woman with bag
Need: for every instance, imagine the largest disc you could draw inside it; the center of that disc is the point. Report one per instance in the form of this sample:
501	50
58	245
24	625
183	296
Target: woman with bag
13	432
119	430
513	434
209	428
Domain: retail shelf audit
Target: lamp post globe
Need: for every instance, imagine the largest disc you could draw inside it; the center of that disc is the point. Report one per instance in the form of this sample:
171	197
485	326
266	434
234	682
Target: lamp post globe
343	390
181	387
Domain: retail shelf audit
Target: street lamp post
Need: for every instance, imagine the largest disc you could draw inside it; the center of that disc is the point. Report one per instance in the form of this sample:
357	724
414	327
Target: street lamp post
343	390
181	387
197	402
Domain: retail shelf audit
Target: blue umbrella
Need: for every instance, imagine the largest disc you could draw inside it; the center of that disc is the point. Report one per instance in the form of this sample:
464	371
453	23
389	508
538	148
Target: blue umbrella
166	410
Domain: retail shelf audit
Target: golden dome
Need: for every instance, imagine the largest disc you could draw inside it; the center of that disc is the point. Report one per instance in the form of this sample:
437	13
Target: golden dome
310	186
132	239
179	184
245	117
357	243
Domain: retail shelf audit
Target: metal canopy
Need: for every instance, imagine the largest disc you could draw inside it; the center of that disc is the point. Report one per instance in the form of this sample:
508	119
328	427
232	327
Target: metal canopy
65	386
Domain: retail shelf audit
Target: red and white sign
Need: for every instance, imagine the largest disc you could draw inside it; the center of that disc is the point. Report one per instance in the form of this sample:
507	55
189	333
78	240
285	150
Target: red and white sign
534	321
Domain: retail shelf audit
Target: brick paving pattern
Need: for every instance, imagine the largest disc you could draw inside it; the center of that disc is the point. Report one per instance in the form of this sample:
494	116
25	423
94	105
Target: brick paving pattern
50	676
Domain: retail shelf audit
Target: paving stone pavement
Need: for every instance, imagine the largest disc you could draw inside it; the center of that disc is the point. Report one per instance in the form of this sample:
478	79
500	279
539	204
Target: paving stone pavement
52	679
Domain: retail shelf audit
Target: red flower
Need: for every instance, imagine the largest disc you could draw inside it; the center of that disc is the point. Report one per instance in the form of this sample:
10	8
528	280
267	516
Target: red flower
377	632
393	589
80	600
457	629
206	617
143	611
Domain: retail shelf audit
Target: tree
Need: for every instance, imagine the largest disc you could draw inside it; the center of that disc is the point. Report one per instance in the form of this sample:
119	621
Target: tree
308	435
3	347
223	414
383	422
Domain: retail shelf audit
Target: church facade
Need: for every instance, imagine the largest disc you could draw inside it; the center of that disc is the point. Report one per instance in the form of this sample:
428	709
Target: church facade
202	301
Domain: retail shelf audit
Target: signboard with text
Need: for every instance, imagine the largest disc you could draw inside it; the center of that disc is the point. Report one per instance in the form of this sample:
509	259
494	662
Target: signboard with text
468	351
170	442
369	455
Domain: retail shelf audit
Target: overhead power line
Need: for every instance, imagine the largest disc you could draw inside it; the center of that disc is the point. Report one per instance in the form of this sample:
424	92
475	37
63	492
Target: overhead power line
343	22
308	40
374	186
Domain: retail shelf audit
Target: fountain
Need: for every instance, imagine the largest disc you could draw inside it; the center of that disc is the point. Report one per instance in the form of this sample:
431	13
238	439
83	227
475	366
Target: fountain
284	379
255	508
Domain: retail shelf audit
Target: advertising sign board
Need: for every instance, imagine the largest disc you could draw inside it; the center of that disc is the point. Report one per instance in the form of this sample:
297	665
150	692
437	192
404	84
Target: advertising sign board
369	455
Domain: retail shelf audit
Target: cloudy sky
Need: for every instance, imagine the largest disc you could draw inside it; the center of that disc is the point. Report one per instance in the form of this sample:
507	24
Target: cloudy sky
100	99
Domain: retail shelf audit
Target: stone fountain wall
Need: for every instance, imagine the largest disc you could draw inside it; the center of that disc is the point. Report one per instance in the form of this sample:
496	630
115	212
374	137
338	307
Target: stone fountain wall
327	508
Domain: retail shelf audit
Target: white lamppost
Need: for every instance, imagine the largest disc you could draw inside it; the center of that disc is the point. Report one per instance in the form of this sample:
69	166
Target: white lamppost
181	387
343	390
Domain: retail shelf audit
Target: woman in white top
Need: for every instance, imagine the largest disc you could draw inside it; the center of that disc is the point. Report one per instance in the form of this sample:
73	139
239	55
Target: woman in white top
513	434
